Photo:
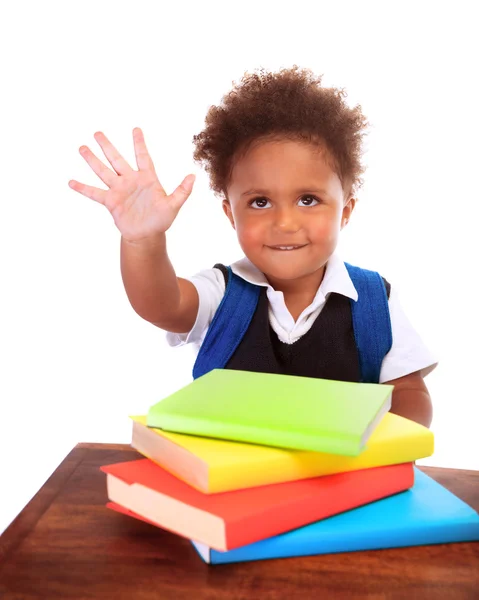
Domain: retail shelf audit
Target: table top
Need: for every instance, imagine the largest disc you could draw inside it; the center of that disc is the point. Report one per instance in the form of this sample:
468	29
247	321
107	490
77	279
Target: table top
67	544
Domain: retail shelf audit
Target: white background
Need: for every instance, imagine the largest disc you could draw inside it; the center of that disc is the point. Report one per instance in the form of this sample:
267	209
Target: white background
76	359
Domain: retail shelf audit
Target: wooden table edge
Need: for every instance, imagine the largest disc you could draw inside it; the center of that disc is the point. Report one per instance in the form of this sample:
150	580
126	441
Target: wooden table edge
27	519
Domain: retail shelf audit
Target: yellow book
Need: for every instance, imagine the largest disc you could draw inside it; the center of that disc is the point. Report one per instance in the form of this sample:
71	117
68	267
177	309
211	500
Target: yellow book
212	465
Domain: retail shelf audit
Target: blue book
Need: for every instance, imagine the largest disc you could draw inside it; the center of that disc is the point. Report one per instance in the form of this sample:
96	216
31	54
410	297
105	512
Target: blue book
427	513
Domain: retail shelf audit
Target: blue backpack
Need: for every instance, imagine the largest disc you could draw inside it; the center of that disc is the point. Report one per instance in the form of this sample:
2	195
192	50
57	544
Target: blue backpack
370	314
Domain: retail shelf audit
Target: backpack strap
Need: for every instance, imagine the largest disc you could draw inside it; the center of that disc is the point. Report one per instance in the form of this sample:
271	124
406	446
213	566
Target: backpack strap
371	321
370	315
229	324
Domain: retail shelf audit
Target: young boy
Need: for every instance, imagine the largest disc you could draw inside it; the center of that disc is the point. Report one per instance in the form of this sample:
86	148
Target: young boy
283	154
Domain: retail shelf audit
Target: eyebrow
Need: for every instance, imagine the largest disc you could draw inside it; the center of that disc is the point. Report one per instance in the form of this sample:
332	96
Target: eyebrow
299	191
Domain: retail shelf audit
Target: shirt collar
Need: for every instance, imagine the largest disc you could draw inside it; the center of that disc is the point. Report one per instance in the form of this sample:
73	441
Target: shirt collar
336	278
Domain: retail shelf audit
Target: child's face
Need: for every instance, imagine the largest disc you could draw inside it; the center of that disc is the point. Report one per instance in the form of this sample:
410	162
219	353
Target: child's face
285	194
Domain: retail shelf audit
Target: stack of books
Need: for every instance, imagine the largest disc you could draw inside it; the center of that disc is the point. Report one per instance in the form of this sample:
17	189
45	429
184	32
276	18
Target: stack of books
251	466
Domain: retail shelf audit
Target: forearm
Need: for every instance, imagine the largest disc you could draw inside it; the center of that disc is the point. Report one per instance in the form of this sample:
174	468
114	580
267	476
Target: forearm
149	278
413	404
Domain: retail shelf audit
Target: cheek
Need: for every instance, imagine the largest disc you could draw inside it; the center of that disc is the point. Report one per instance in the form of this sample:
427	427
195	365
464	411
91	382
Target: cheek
250	231
325	230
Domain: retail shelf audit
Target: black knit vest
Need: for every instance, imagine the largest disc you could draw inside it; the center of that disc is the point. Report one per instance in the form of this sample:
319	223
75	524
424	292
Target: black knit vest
327	351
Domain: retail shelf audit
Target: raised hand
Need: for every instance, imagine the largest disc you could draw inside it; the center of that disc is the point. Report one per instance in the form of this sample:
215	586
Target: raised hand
136	200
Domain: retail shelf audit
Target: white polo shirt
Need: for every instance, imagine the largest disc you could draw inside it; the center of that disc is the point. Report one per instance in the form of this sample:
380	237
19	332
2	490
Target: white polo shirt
408	352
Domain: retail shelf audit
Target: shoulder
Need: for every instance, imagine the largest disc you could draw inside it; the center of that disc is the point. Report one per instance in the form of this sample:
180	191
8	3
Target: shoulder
387	285
223	270
409	353
244	272
361	276
209	280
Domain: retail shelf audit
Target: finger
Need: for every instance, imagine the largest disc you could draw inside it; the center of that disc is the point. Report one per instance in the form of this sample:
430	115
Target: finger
115	158
143	158
103	172
87	190
180	195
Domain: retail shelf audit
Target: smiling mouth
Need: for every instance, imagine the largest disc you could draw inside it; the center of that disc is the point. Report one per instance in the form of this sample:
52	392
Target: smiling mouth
287	248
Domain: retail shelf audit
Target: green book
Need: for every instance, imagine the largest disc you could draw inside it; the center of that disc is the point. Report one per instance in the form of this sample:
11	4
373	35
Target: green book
287	411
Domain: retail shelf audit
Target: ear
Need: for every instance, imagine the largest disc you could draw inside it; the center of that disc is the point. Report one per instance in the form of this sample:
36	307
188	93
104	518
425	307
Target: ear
347	210
229	212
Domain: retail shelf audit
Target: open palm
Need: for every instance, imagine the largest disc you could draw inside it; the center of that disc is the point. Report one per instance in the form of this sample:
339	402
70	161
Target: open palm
136	200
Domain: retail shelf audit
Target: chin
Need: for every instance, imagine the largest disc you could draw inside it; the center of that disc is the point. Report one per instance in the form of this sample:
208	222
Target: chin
285	272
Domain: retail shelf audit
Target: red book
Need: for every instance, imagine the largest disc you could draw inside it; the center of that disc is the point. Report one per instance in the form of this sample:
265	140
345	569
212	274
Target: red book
231	519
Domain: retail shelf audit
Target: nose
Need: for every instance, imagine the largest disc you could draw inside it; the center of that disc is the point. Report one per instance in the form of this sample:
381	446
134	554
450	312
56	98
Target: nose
287	219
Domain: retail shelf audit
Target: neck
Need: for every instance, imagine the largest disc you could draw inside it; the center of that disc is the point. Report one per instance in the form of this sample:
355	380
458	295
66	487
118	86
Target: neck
304	287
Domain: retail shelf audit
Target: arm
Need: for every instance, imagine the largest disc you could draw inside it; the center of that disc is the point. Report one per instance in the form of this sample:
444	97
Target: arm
143	212
411	398
152	287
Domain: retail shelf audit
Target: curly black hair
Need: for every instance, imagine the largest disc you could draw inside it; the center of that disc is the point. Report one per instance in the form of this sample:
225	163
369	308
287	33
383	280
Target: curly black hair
290	104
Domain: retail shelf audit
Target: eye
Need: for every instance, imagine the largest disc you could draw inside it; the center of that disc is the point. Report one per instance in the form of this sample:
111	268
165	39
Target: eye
311	198
260	200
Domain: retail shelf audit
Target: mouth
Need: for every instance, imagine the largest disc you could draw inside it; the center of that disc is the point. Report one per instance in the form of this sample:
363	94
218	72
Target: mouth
287	248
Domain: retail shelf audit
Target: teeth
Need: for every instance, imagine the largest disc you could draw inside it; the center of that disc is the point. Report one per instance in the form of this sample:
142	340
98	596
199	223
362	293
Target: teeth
286	247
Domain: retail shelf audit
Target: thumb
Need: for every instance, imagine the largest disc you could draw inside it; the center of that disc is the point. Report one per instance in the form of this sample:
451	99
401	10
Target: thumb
182	192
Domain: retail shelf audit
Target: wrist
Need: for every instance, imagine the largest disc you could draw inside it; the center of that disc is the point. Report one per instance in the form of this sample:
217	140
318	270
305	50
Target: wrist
151	242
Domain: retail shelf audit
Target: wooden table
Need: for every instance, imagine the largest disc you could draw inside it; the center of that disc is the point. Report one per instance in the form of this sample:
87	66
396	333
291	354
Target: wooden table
66	544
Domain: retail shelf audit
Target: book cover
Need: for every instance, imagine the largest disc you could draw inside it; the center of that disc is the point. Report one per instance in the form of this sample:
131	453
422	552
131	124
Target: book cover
426	514
232	519
303	413
214	465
